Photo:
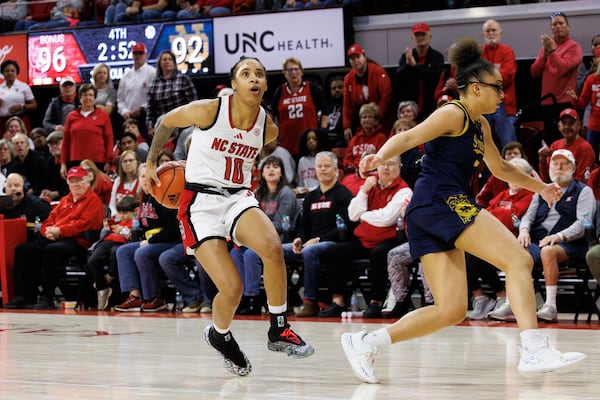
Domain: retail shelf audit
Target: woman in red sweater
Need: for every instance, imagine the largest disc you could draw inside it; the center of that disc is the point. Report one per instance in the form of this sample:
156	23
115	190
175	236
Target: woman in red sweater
369	137
88	134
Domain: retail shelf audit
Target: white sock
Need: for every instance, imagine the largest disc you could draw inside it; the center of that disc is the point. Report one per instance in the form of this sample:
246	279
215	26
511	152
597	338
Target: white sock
278	309
551	295
532	340
379	338
219	330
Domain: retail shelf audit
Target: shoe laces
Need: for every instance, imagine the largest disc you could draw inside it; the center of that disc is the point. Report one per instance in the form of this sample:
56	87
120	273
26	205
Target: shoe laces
291	336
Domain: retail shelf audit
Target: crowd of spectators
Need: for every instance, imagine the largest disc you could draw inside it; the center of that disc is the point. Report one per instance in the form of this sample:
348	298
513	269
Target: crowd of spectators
337	213
22	15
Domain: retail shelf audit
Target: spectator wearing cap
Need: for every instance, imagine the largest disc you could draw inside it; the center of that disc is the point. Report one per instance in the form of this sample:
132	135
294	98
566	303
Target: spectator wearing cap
68	231
87	134
590	96
366	82
554	234
308	101
61	106
419	71
55	186
503	57
132	95
556	64
569	126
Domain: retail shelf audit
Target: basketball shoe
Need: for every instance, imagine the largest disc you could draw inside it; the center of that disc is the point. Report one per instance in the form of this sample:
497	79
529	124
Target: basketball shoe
288	341
360	355
547	359
234	359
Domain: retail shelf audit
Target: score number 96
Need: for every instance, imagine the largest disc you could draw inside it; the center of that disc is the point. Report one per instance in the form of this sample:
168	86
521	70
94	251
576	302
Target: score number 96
52	58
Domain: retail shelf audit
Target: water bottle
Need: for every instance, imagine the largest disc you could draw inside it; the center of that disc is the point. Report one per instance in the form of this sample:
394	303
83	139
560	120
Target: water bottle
400	234
341	228
354	302
515	221
351	314
135	230
37	225
178	302
286	227
590	231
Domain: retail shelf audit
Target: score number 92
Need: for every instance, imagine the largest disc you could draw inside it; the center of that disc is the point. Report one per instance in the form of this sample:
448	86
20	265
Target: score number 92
190	49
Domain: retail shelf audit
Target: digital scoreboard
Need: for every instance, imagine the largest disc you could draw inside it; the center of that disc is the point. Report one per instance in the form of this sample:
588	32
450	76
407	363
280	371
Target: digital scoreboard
56	54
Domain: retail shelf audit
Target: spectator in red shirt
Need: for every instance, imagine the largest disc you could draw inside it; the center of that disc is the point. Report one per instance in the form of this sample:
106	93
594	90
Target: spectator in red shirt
556	64
365	83
503	57
369	137
64	234
88	134
569	126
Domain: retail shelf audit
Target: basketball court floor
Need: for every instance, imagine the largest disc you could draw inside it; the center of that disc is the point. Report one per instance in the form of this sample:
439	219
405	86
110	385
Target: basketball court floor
106	355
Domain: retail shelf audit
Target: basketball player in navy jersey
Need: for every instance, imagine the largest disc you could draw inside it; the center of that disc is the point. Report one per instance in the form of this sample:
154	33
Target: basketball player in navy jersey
444	221
217	204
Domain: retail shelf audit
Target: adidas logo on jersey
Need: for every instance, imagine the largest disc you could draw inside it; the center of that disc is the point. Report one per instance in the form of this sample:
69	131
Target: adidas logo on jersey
239	136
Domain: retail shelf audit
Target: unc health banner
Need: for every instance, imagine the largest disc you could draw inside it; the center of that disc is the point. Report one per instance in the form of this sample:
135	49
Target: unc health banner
315	37
14	47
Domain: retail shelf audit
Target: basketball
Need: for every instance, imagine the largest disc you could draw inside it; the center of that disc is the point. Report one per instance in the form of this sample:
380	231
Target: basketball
172	181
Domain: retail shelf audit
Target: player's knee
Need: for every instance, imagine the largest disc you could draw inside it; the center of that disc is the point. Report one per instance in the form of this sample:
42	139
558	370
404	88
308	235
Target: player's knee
271	251
453	313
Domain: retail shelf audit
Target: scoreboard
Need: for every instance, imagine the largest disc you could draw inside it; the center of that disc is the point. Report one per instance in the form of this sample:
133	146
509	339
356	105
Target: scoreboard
53	55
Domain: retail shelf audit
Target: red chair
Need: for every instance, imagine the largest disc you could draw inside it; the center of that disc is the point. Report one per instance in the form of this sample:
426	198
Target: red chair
12	233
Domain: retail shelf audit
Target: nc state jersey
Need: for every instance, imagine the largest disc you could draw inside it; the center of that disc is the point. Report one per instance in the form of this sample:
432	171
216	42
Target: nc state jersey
221	155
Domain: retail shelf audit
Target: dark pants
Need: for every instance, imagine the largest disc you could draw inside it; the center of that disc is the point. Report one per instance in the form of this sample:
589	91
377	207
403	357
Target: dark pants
550	115
478	268
42	262
339	257
103	255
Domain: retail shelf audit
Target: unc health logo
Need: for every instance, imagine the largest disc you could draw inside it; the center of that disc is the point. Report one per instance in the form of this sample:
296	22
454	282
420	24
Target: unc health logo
461	205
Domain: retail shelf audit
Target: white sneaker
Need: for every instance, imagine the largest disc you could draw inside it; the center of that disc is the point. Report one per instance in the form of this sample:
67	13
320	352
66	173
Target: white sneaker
547	313
482	305
390	302
502	312
547	359
360	355
103	296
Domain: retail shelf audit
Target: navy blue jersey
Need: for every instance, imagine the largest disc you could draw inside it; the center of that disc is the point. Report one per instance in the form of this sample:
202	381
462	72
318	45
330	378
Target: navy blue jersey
442	204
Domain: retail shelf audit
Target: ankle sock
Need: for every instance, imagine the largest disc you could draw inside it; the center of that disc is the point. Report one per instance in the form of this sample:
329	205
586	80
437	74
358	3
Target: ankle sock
532	340
379	338
278	320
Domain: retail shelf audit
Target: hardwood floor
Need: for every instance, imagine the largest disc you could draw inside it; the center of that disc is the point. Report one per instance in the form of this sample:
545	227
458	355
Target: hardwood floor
104	355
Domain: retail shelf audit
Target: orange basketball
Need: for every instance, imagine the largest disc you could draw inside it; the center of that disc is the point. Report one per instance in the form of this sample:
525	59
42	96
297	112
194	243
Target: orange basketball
172	181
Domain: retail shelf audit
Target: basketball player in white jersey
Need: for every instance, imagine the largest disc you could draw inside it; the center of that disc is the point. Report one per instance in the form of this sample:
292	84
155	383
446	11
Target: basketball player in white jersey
217	204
